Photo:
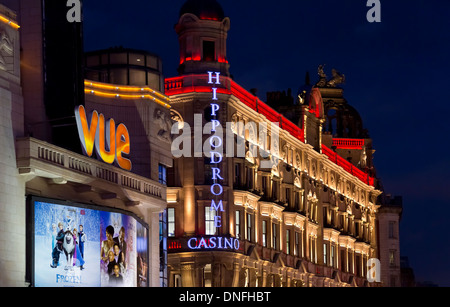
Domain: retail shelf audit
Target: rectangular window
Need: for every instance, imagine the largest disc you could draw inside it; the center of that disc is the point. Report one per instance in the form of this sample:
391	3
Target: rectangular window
333	255
274	236
162	174
210	229
209	51
171	222
238	224
325	254
343	260
274	189
249	227
392	257
288	196
207	171
264	185
297	200
313	249
207	276
250	177
391	230
350	261
341	222
288	242
237	174
358	264
297	244
264	233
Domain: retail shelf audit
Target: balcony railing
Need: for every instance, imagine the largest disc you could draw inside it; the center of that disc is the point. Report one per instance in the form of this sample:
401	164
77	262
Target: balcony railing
348	143
52	161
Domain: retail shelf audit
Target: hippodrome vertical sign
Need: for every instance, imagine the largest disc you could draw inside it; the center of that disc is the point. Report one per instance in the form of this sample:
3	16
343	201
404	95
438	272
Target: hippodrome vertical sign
216	156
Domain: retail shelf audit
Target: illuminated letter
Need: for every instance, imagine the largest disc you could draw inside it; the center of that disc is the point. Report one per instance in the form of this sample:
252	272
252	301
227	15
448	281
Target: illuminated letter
229	243
236	244
211	77
212	242
202	243
374	14
217	221
217	207
216	154
214	93
215	144
100	142
214	108
216	173
123	146
189	243
86	134
220	189
74	14
215	124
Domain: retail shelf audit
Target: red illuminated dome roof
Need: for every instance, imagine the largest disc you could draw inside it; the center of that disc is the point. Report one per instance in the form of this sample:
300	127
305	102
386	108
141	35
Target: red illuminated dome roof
203	9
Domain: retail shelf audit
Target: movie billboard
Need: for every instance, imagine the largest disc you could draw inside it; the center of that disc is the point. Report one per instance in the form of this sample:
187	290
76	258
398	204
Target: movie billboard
76	246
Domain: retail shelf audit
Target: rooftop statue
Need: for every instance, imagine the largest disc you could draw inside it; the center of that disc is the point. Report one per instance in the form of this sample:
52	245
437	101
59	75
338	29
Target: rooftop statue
322	76
337	77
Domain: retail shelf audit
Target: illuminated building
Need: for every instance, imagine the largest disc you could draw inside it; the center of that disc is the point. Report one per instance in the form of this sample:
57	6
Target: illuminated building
125	66
93	154
312	219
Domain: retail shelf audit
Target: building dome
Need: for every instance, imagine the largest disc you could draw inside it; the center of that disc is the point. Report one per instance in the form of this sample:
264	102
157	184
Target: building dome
203	9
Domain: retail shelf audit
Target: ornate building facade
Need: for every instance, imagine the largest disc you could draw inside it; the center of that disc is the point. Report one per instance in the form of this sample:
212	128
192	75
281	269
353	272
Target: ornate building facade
86	162
310	218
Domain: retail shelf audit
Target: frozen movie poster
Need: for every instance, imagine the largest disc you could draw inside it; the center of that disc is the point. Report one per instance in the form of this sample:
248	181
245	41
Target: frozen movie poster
79	247
66	246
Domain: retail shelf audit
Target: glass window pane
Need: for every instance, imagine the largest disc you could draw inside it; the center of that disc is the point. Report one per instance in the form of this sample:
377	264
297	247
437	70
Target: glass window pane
137	59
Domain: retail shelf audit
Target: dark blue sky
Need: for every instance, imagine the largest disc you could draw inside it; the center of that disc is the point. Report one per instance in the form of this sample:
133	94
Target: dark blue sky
396	72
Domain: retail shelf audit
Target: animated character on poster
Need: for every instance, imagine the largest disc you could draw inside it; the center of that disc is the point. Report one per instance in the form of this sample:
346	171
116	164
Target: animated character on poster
82	240
58	247
67	243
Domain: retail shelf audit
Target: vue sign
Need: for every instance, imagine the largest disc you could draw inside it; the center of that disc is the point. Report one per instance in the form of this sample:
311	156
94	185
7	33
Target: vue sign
110	142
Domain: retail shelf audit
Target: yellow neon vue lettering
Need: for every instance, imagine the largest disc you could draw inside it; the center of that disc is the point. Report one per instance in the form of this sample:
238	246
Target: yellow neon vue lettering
109	142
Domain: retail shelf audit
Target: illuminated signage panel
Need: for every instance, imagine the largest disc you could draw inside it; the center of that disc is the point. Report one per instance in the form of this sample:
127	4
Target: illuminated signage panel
80	246
110	143
216	157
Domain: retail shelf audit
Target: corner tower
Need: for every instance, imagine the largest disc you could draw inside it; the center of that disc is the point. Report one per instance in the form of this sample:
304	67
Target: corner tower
202	33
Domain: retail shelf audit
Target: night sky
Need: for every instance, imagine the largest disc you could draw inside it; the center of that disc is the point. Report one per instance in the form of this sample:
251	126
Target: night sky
397	77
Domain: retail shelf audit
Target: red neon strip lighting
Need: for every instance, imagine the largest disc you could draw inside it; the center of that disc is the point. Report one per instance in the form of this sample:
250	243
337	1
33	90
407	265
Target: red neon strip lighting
334	157
348	143
175	86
